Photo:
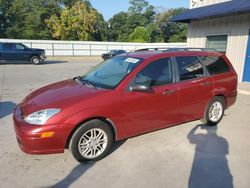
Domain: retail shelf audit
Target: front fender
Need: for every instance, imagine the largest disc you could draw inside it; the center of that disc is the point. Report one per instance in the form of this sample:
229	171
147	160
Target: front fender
88	114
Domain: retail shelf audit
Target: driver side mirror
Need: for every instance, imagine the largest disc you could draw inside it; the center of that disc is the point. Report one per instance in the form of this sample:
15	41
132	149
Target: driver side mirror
140	88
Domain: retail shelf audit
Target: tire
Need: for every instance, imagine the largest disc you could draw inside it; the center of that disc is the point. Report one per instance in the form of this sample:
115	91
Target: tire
87	149
35	60
214	111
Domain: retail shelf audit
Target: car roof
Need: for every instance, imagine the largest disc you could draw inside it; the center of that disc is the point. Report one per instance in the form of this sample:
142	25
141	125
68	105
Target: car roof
144	54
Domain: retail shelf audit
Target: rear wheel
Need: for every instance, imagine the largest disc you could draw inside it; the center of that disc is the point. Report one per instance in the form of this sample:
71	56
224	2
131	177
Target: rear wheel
214	111
92	141
35	60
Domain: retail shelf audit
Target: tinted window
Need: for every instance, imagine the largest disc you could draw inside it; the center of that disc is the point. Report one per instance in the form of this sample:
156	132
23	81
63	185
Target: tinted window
156	73
189	67
19	47
7	46
216	65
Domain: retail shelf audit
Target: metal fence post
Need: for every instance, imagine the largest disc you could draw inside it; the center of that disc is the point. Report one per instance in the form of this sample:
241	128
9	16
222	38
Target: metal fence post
53	53
90	50
73	50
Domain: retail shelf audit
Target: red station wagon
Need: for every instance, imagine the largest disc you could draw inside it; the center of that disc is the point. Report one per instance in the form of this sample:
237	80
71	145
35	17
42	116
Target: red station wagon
125	96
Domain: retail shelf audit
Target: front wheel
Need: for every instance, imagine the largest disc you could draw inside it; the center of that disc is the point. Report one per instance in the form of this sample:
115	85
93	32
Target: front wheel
91	142
214	111
35	60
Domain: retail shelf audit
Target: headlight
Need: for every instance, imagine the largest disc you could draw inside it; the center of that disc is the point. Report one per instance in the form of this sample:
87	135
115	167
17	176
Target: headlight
40	117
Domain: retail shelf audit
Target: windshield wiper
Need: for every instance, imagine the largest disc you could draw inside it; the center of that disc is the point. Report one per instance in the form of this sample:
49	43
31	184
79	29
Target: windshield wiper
88	83
84	82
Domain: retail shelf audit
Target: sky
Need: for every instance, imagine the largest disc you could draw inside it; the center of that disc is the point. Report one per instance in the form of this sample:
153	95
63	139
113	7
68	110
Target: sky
110	7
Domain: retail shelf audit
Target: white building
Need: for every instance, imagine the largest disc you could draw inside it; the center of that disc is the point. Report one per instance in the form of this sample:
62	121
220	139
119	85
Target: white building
223	25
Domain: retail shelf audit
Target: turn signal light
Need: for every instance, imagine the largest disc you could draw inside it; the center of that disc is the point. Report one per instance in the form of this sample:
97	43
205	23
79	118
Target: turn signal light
47	134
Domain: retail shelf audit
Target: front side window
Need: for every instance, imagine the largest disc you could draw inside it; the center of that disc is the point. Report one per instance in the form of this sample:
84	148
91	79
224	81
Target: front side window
190	67
111	72
156	73
215	65
20	47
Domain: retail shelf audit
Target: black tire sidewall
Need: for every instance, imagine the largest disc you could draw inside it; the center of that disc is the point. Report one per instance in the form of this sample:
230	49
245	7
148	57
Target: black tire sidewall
206	115
73	145
32	60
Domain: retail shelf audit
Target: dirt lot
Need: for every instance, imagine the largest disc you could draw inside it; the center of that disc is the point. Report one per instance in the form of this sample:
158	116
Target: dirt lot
187	155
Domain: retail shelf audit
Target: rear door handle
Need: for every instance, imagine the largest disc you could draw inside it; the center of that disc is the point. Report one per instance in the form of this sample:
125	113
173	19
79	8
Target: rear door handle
205	84
168	92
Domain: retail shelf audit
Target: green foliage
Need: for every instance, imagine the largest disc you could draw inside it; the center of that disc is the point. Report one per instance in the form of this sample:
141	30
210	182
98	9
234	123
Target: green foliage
155	33
171	32
138	6
25	19
140	14
140	34
78	22
119	27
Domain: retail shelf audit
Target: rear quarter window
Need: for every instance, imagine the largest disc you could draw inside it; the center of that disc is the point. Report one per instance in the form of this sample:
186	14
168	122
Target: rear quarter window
216	65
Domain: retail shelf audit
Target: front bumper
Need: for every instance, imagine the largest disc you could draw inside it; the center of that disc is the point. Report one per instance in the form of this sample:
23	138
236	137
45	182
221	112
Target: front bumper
43	57
30	140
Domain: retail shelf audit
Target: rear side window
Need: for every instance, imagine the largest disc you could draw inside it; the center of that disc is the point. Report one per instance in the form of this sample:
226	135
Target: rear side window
216	65
190	67
7	46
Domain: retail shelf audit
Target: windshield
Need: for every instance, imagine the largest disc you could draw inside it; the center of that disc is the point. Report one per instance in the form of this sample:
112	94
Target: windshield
113	51
111	72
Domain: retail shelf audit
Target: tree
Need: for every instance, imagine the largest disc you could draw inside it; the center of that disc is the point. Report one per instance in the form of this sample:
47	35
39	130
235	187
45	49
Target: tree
140	34
4	16
137	6
171	32
103	31
25	19
140	13
78	22
155	33
119	28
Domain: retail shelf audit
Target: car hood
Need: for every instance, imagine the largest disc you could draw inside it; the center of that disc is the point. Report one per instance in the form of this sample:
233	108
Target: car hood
106	54
59	95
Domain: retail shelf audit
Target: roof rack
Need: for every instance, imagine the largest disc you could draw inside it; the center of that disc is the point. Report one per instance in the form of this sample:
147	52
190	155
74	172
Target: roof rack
166	49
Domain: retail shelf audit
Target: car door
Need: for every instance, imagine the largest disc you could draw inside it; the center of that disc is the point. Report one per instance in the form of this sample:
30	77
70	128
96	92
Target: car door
154	108
20	52
8	51
195	88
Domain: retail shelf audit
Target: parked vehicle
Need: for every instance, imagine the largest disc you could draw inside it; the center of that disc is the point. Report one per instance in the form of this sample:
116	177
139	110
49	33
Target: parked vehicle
112	53
125	96
18	51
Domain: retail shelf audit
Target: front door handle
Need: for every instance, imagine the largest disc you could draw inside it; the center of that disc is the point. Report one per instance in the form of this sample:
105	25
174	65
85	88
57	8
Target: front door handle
205	84
168	92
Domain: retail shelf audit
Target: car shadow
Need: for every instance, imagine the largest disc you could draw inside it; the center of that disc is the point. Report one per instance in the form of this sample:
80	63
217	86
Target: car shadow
210	166
6	108
53	62
19	62
81	168
76	173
